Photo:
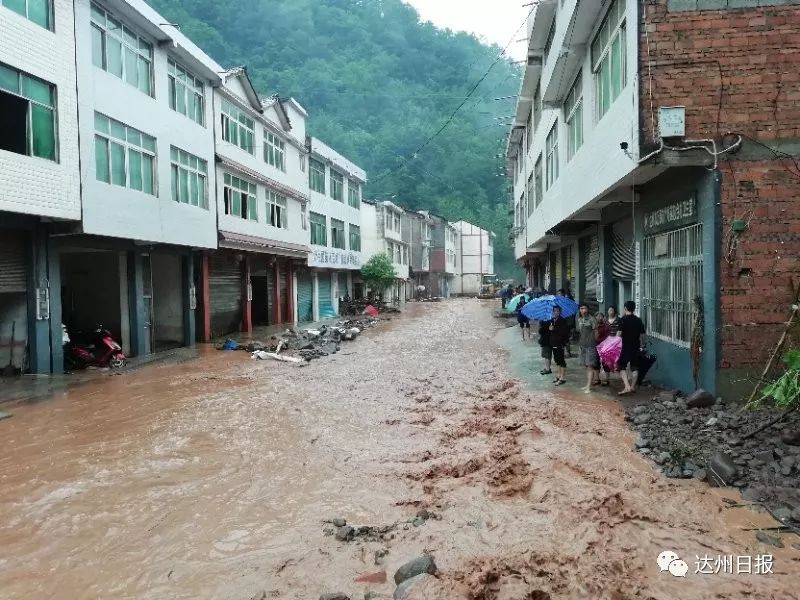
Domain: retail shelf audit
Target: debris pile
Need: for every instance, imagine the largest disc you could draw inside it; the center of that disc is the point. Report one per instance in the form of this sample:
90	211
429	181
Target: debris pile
300	346
703	438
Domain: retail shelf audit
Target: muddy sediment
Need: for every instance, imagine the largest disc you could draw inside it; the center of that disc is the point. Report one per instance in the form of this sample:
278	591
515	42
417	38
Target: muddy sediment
213	479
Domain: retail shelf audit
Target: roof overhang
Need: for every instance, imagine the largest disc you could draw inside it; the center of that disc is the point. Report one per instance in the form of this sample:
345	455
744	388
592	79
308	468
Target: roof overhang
251	243
260	178
542	19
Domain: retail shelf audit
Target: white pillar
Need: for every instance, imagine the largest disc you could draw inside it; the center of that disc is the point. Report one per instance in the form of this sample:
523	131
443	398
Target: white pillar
295	308
315	294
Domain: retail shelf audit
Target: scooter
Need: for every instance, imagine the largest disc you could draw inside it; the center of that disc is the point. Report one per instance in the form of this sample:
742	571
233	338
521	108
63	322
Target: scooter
98	349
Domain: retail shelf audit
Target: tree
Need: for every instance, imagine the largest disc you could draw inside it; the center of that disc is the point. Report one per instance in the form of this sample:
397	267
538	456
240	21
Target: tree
379	273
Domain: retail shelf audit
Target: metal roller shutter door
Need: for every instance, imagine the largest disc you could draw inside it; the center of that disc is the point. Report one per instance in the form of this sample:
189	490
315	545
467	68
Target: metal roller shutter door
591	250
225	289
305	297
623	256
326	310
283	288
12	263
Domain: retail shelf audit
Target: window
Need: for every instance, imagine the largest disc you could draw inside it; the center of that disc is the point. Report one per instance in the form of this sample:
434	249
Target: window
537	180
573	113
186	93
304	216
353	194
388	221
27	114
337	186
278	216
237	127
672	278
337	234
355	238
240	198
319	229
531	189
303	163
537	107
405	255
38	11
124	156
189	178
551	34
390	251
316	175
529	131
396	219
274	151
551	147
121	52
608	57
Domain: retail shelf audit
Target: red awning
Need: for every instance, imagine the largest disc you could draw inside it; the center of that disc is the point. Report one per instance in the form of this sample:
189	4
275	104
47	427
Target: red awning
240	241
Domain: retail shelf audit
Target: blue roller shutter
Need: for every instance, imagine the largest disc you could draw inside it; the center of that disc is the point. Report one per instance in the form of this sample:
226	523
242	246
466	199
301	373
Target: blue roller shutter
326	310
305	297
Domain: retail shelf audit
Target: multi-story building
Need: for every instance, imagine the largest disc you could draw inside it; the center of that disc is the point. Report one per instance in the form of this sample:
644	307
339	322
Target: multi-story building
261	203
39	176
419	269
444	258
335	225
387	230
648	164
474	258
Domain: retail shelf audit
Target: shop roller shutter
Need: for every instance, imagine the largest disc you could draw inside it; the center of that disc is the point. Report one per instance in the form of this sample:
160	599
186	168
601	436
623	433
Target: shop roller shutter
305	297
225	291
12	262
591	252
326	310
623	256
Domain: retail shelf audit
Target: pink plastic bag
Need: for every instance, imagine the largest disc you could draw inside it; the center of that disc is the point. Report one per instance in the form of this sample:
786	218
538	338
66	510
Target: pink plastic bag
371	311
609	351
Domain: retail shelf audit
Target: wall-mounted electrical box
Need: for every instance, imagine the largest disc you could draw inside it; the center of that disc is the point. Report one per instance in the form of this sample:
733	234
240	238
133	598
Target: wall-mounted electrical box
672	121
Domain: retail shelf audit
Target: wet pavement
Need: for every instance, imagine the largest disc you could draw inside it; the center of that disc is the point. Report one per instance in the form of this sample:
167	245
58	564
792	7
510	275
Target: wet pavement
212	478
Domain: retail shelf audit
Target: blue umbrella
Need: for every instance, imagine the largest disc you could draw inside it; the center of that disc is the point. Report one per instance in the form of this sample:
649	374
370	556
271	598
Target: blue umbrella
512	304
541	309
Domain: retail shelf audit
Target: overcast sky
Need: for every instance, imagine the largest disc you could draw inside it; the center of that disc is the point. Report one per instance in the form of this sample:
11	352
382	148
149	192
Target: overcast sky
493	20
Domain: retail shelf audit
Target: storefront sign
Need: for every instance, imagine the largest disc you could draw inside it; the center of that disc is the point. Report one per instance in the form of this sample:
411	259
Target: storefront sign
333	257
671	216
637	292
600	294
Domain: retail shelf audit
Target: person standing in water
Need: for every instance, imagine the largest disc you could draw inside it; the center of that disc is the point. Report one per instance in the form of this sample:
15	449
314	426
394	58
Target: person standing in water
587	346
559	336
632	332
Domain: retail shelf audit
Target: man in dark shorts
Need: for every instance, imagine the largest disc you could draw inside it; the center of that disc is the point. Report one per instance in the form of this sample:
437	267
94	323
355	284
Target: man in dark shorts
632	332
524	322
559	336
547	350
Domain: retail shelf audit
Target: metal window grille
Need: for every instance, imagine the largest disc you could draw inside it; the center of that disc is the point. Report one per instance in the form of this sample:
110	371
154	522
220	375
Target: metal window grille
672	275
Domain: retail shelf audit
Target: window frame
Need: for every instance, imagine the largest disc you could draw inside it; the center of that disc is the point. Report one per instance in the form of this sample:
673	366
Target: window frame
318	223
192	85
232	116
19	92
551	156
181	160
49	25
125	40
353	186
573	116
129	147
538	180
234	184
337	185
338	234
274	150
278	208
316	173
602	55
354	235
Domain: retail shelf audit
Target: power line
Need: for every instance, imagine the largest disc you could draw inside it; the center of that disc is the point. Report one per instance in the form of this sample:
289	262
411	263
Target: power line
472	90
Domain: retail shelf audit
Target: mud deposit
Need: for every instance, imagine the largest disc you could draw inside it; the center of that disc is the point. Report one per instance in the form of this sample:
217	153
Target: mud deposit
217	478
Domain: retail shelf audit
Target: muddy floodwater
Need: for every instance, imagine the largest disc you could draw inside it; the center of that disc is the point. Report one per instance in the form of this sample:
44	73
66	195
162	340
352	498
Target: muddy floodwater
212	479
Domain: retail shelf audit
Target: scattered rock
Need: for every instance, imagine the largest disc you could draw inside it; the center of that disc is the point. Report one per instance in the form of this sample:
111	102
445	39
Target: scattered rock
663	457
642	419
405	588
770	540
641	409
418	566
700	399
792	438
334	596
380	556
668	396
345	533
378	577
700	474
338	522
262	595
641	441
722	470
712	421
371	595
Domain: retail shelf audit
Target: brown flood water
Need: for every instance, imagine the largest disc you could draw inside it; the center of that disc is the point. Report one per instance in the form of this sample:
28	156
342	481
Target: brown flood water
211	479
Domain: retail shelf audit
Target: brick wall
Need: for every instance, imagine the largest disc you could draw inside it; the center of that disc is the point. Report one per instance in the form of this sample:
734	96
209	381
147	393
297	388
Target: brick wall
737	70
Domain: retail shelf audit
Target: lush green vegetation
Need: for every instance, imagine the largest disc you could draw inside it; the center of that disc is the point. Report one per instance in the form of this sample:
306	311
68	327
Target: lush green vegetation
377	83
379	273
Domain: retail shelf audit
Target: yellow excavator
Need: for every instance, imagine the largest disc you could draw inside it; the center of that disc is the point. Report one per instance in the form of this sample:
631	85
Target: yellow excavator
490	285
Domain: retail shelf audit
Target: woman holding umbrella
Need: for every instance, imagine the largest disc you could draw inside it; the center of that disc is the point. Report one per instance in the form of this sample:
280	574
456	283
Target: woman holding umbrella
556	309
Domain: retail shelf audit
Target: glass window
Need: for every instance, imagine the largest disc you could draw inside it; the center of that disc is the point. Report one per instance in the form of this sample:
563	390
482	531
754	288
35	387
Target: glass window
240	197
276	204
337	186
121	52
274	151
573	113
124	156
319	229
28	108
237	127
189	178
38	11
337	234
551	147
316	175
353	193
608	57
186	93
355	238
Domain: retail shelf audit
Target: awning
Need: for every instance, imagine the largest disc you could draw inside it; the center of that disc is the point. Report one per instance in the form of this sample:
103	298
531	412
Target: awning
251	243
263	179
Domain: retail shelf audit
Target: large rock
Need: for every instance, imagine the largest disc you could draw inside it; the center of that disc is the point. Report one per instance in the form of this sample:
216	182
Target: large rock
418	566
425	587
334	596
700	399
722	470
345	533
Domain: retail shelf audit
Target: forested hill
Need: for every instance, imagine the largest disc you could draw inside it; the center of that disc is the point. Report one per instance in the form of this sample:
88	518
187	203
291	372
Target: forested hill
377	83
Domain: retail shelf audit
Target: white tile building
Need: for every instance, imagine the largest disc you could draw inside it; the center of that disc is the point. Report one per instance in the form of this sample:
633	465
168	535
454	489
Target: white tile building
387	230
474	258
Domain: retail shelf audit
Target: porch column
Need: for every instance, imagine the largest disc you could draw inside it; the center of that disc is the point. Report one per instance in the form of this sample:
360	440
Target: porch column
189	300
247	313
277	316
136	304
290	302
315	295
204	294
293	296
54	283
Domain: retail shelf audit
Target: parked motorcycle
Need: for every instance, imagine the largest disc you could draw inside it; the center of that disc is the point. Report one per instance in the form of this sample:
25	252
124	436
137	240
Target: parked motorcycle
96	349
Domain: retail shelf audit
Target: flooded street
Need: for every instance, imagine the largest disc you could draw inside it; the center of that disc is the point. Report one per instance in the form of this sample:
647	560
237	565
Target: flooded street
212	479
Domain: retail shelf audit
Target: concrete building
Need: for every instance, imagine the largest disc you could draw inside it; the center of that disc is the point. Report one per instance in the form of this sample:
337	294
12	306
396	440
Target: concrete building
474	258
39	176
335	225
419	270
261	203
444	258
387	230
646	167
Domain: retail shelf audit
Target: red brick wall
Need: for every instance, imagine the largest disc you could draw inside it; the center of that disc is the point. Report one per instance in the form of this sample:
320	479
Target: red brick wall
437	260
738	71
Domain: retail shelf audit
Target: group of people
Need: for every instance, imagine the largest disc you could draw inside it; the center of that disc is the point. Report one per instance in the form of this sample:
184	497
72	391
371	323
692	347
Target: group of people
555	336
